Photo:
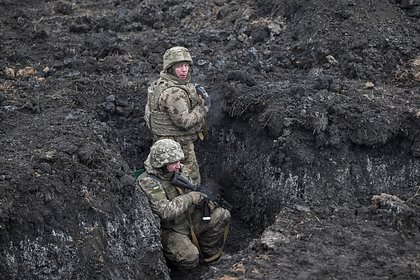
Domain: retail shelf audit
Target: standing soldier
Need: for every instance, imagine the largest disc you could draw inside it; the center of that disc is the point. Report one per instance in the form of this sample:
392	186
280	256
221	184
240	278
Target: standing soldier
185	237
175	110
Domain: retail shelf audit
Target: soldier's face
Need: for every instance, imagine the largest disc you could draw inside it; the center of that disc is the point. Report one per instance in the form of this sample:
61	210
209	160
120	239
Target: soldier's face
173	167
182	71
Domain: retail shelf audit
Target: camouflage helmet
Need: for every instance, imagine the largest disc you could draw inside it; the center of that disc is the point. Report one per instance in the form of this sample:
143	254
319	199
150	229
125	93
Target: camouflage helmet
175	55
165	151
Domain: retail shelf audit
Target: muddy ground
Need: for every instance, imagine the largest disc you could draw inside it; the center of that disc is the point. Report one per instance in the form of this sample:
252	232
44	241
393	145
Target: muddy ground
314	136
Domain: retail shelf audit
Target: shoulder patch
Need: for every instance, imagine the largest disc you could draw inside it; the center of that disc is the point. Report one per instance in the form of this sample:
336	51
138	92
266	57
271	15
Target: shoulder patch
150	184
153	188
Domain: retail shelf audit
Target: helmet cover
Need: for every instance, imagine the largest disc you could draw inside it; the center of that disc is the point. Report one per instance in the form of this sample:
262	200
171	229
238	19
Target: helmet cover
175	55
165	151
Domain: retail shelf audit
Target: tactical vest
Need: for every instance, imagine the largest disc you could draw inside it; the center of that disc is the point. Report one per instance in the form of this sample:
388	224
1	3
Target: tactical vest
180	223
159	122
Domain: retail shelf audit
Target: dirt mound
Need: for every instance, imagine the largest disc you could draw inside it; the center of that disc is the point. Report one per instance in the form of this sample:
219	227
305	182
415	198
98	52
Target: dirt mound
315	114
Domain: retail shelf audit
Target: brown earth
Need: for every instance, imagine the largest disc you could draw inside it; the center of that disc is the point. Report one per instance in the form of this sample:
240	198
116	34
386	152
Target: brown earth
314	136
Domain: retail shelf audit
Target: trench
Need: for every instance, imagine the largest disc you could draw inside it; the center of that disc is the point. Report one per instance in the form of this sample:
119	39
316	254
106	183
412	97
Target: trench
212	155
260	176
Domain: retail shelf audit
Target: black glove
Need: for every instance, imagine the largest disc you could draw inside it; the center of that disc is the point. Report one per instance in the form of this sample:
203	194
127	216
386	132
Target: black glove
202	92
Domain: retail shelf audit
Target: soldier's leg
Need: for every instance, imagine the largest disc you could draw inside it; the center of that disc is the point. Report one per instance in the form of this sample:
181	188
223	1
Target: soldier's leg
190	162
211	234
179	251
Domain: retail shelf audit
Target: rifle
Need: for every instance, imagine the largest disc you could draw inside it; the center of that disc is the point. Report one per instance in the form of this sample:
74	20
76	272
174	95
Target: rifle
180	181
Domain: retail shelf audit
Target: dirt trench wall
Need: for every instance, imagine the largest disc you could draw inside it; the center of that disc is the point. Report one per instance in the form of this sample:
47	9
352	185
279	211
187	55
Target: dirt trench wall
313	150
69	206
259	188
313	205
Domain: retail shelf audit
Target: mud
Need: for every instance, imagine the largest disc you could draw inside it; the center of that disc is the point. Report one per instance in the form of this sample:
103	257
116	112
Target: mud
314	136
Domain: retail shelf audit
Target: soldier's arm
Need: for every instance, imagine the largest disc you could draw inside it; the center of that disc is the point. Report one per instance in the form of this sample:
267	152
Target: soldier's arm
167	210
175	101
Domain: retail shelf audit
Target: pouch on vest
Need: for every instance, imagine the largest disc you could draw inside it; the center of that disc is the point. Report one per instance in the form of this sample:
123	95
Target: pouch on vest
147	111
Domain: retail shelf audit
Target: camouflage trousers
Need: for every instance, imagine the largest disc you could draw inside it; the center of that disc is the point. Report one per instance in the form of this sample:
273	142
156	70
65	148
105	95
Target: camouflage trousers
180	251
190	162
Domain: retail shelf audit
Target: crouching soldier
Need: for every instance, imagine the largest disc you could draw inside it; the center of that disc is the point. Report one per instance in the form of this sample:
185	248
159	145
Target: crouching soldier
185	237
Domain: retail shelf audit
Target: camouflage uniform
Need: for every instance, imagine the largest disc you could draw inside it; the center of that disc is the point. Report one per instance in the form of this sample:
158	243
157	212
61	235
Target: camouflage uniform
174	109
174	207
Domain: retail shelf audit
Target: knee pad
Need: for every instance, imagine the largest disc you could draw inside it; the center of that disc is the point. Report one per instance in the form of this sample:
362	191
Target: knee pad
222	216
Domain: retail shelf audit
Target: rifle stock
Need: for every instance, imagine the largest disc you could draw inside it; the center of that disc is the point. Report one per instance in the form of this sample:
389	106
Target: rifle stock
180	181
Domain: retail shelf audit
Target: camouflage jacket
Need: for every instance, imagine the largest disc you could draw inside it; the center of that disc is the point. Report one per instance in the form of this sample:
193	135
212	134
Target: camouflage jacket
168	202
174	109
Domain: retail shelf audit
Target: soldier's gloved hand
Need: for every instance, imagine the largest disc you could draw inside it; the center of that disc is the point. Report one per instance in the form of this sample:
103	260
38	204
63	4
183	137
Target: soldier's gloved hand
203	93
197	197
